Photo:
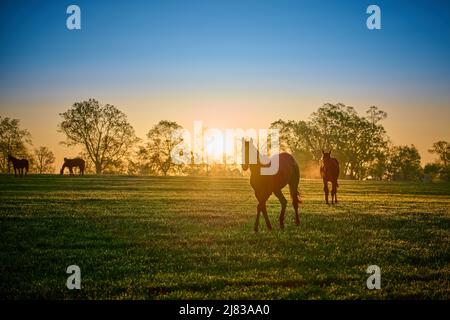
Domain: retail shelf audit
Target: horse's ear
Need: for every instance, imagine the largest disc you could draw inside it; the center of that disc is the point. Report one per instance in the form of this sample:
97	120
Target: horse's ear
330	152
323	152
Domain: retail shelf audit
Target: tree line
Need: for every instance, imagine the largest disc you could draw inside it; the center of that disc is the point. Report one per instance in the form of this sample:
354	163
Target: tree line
109	145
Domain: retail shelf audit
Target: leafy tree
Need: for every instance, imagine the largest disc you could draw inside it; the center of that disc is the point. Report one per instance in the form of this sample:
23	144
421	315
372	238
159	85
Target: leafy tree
44	160
300	139
442	149
156	154
378	168
13	141
357	142
405	163
432	170
103	132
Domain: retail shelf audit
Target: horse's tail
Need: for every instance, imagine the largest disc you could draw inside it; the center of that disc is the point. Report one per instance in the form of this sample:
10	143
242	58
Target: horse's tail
295	194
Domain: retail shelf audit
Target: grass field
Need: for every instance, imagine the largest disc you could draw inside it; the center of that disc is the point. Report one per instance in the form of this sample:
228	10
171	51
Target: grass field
180	238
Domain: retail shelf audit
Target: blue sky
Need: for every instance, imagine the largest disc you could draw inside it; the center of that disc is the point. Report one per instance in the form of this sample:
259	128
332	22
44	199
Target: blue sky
286	45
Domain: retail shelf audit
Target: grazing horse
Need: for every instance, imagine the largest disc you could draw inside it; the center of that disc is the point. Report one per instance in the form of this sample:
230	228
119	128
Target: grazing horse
19	165
264	185
329	171
70	163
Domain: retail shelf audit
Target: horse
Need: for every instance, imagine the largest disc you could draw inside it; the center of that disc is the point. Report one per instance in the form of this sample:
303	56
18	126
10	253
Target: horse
70	163
329	171
19	165
264	185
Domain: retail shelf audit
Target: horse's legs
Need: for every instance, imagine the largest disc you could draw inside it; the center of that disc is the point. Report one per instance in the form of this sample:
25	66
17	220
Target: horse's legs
283	201
295	205
15	172
71	171
334	192
262	199
266	217
325	189
258	211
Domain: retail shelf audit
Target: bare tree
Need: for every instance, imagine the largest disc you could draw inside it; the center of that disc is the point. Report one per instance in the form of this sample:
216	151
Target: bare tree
44	160
102	130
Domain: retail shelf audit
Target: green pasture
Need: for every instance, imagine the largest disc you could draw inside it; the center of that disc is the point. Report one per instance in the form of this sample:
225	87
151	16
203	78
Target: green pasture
192	238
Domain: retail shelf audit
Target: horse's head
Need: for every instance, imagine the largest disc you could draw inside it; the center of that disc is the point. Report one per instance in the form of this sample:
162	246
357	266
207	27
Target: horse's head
10	158
326	156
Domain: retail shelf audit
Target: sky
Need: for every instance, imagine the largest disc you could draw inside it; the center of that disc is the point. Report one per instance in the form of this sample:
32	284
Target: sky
230	64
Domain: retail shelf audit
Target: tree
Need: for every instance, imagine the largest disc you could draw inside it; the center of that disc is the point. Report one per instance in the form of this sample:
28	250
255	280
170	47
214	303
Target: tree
156	154
405	163
358	142
44	160
442	149
102	130
302	140
378	168
432	170
13	141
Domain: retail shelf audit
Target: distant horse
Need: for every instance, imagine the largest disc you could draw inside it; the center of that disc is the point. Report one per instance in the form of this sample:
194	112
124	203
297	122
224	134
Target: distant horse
264	185
71	163
19	165
329	171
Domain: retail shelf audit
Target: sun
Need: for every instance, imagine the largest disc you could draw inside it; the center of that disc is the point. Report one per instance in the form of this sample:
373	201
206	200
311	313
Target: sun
214	148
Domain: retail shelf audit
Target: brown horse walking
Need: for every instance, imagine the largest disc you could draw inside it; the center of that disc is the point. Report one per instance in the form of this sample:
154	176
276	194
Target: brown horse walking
71	163
329	171
19	165
264	185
